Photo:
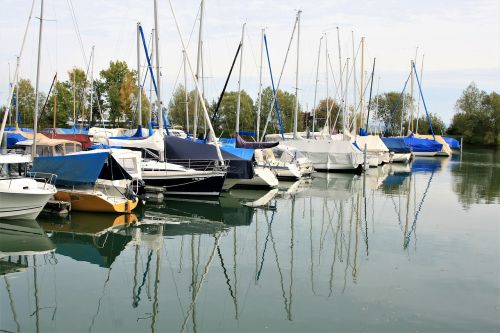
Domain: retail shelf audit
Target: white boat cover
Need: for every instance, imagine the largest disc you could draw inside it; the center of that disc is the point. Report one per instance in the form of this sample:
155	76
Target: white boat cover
153	142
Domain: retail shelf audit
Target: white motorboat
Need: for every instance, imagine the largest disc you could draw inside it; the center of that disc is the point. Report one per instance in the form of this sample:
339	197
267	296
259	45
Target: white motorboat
282	169
22	197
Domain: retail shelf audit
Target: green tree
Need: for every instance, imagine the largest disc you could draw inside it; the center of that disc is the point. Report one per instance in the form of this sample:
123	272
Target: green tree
477	116
424	127
112	79
390	109
26	100
177	110
227	113
286	102
335	120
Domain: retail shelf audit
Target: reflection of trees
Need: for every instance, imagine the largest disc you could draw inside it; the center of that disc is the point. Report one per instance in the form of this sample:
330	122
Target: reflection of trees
476	179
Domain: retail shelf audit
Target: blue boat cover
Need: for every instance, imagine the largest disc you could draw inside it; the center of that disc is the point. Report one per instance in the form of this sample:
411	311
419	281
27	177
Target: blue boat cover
397	145
422	145
362	132
177	149
13	138
244	153
22	129
453	143
231	141
80	169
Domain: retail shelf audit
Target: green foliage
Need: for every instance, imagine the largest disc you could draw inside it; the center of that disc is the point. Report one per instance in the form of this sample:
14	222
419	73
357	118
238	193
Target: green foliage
177	110
390	108
424	127
26	100
477	116
118	99
286	102
335	120
227	113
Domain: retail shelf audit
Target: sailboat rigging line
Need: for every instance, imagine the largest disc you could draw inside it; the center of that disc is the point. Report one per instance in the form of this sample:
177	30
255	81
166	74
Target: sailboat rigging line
279	80
215	113
414	224
370	98
137	298
275	93
16	74
228	280
423	100
48	96
100	300
77	29
150	67
399	100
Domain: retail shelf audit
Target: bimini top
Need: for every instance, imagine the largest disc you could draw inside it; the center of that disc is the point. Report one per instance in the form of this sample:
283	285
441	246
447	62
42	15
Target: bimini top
397	145
183	149
80	169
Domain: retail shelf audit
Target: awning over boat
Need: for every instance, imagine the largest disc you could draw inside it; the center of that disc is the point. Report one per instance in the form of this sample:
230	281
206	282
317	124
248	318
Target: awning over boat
453	143
422	145
83	139
182	149
13	138
397	145
80	169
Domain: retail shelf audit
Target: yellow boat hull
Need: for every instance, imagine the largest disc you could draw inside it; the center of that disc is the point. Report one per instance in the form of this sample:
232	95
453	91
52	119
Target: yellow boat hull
91	202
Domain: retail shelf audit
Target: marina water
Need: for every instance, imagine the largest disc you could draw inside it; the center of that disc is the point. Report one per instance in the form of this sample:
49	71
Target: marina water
401	249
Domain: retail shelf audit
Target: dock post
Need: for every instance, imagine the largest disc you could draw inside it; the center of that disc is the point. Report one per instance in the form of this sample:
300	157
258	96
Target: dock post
461	144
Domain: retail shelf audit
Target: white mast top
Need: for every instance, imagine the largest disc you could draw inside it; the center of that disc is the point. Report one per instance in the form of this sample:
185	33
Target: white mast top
198	65
139	85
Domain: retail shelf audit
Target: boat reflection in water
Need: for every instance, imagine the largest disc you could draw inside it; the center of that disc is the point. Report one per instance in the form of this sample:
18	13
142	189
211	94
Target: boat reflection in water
91	237
24	246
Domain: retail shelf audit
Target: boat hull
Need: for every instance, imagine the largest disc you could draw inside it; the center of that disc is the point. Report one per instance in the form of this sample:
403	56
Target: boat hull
22	206
263	177
195	184
96	202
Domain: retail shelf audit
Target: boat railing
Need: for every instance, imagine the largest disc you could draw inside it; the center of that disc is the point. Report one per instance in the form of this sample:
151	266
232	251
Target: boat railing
43	177
201	165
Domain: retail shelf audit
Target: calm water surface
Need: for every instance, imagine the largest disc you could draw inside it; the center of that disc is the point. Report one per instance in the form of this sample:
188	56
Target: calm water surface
404	249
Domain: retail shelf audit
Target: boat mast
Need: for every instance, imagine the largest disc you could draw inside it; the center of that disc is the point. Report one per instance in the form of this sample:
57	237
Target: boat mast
55	107
91	86
316	85
260	83
418	104
341	86
197	75
17	96
139	78
362	84
158	79
186	106
327	123
370	97
238	103
296	114
353	73
37	82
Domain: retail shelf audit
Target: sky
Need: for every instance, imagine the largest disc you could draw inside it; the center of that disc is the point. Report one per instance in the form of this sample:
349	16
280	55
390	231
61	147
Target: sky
459	42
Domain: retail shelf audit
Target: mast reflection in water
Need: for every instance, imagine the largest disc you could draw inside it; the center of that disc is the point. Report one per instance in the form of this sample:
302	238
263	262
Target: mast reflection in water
336	251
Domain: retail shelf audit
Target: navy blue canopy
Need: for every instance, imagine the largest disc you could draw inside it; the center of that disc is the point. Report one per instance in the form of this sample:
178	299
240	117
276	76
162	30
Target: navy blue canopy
181	151
240	143
423	145
80	169
397	145
453	143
